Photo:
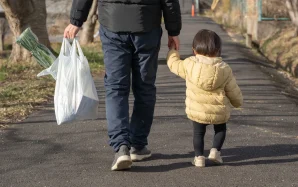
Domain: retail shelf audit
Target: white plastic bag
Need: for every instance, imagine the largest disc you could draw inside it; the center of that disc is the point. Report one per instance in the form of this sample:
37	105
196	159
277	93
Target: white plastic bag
75	93
52	70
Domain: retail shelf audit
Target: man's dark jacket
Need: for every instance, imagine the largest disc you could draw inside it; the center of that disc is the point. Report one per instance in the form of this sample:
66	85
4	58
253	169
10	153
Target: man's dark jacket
130	15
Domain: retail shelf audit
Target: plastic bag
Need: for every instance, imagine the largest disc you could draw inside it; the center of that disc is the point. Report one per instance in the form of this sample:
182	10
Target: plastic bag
52	70
75	93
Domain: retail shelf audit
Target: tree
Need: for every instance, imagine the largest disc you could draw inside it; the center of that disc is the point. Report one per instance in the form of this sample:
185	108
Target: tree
292	6
20	15
214	4
89	26
2	31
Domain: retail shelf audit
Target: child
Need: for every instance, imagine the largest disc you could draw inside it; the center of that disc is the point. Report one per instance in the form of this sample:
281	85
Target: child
211	87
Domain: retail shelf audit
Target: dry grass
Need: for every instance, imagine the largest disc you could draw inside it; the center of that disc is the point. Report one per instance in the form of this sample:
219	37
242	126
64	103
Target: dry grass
274	8
21	91
282	49
232	12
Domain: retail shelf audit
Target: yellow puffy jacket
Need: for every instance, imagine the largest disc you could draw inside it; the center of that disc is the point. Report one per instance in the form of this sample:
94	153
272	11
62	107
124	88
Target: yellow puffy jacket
211	87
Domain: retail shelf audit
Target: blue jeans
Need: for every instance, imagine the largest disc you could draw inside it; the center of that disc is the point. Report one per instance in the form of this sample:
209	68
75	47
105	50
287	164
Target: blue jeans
130	60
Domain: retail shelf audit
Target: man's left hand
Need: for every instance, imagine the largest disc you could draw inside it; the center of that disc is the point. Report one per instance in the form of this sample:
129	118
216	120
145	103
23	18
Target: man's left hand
71	31
174	40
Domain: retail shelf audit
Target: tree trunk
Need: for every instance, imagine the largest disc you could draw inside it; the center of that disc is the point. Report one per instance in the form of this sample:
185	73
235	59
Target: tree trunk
296	31
2	32
20	15
89	26
292	6
214	4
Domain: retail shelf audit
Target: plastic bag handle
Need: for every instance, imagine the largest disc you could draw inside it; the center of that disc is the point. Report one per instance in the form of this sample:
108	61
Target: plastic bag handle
64	45
76	46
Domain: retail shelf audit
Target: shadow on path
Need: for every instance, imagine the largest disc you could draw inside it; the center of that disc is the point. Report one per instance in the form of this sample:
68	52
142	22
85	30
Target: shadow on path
256	155
239	156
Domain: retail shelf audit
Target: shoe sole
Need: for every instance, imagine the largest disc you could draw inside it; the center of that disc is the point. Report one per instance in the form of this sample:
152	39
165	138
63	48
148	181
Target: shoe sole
123	162
200	165
135	157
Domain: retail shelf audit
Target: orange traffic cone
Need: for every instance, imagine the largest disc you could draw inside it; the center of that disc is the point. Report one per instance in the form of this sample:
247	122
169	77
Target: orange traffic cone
193	10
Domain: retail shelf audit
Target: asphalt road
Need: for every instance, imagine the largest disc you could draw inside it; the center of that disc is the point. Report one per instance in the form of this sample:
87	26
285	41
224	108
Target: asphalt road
260	150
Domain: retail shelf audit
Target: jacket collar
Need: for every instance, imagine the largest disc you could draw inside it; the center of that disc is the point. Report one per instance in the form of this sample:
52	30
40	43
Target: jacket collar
208	60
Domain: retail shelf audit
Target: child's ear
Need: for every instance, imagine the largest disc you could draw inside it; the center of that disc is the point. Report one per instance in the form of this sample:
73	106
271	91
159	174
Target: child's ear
194	51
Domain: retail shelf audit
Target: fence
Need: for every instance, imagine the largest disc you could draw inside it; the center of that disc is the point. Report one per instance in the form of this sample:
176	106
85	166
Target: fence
257	18
265	10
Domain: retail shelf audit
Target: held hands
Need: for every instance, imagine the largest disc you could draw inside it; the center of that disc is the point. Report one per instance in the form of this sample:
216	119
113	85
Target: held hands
173	42
172	47
71	31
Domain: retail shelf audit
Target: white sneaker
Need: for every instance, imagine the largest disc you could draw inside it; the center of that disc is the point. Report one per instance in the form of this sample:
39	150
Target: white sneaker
199	161
214	156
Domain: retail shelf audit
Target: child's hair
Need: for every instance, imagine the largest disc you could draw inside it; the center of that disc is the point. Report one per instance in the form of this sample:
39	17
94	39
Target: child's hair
207	43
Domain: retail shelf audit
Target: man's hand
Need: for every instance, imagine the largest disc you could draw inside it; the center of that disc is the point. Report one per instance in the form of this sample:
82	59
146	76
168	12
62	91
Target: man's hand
173	46
174	40
71	31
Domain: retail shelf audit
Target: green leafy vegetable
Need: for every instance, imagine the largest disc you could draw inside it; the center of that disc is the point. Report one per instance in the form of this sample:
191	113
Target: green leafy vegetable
41	53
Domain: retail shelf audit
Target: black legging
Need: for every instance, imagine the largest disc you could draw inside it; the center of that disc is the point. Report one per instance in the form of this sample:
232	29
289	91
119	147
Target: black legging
199	131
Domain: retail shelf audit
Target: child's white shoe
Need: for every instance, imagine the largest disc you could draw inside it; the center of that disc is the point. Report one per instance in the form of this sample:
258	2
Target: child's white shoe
214	156
199	161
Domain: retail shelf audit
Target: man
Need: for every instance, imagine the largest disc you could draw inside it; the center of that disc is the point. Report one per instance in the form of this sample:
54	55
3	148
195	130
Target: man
130	32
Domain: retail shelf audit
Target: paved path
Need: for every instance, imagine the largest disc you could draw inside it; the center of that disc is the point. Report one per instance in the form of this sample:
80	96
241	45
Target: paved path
261	147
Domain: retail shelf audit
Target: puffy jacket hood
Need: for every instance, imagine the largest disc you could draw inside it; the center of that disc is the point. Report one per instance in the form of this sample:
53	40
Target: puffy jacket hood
210	73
